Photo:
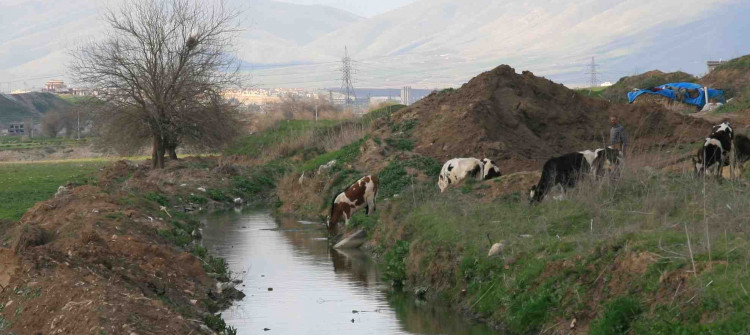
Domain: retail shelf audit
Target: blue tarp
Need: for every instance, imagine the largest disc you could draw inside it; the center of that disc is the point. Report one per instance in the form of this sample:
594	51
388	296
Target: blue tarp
681	92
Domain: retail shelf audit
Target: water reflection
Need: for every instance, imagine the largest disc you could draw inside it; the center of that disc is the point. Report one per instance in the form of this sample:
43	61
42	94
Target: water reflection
315	289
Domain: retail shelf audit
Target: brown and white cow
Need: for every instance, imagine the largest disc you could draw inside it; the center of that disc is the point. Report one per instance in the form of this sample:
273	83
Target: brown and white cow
358	195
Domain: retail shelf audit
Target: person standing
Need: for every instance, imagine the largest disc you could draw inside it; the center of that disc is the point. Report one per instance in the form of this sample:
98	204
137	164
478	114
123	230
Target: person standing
618	137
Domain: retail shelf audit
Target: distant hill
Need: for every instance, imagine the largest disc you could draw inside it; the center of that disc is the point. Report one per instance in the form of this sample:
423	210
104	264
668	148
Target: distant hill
18	107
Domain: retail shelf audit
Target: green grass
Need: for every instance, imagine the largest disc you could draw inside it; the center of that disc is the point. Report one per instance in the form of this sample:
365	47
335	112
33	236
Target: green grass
592	228
380	113
346	154
739	63
23	185
594	92
254	144
740	104
618	315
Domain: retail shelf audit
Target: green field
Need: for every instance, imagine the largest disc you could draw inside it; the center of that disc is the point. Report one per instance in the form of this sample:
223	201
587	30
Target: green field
24	184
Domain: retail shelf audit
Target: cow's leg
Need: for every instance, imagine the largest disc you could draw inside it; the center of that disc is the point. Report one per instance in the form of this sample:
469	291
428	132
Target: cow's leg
367	209
371	204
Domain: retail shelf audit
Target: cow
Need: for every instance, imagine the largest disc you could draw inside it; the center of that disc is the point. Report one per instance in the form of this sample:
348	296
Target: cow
567	169
741	151
360	194
490	169
714	153
458	169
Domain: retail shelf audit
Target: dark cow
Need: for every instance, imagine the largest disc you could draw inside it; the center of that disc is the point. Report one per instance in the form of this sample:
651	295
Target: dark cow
714	154
741	151
358	195
567	169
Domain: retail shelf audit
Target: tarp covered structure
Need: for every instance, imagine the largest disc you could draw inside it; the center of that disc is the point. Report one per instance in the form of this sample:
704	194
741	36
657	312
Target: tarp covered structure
689	93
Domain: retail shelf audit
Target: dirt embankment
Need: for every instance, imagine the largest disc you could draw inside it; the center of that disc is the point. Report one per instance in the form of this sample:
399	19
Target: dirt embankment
521	120
732	76
102	258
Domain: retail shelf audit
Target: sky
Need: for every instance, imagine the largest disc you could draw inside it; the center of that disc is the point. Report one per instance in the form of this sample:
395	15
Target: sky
366	8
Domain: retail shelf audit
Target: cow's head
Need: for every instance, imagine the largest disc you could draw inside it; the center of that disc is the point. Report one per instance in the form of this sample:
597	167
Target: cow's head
535	194
491	170
697	166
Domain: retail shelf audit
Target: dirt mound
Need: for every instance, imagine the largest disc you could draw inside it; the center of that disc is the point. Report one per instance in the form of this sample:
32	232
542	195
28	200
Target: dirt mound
652	126
733	77
521	120
619	91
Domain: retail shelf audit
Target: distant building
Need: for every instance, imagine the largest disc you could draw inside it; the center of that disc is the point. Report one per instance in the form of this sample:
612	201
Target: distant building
606	84
55	86
16	128
712	64
406	96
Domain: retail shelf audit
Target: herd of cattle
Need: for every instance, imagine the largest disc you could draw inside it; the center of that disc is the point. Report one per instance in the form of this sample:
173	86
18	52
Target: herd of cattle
565	170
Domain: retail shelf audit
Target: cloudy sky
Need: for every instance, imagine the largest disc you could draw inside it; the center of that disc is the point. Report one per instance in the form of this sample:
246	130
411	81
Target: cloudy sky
366	8
421	43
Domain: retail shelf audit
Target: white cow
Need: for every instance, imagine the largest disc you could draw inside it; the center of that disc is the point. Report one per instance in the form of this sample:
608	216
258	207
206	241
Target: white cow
458	169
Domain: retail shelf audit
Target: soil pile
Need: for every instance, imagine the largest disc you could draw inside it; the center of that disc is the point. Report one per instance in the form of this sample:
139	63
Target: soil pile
97	259
521	120
619	91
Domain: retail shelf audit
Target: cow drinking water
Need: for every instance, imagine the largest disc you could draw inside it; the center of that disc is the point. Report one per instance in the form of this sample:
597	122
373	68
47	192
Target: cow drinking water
360	194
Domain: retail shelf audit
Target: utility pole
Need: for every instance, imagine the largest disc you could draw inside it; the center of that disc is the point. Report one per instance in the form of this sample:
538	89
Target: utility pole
592	72
78	126
347	87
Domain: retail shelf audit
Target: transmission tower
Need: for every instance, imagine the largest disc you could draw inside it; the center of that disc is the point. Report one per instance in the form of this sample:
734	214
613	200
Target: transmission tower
592	72
347	86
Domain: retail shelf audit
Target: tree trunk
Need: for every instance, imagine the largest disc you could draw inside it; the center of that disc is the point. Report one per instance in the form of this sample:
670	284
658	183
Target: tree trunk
172	151
157	153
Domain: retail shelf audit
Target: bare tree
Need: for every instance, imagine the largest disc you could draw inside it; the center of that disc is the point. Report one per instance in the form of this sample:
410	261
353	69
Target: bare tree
54	122
161	71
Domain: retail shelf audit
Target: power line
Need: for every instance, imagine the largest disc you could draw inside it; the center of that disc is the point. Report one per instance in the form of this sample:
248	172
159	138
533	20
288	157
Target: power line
346	78
593	73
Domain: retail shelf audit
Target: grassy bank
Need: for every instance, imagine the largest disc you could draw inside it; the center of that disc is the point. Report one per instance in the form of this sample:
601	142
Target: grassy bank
651	252
613	257
23	185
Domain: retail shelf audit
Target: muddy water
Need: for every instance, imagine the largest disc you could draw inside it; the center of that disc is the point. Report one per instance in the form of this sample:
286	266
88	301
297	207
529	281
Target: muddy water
314	289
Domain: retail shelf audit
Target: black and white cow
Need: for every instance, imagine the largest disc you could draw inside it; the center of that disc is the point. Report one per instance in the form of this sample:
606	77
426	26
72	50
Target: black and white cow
490	169
567	169
458	169
714	154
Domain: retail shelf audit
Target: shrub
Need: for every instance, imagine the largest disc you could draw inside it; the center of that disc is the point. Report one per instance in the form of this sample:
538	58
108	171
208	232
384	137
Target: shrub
157	198
399	143
199	251
215	322
176	236
393	178
217	265
196	199
217	195
618	315
395	263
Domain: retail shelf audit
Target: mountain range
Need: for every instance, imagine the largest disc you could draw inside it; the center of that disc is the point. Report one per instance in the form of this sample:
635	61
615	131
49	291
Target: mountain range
428	43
